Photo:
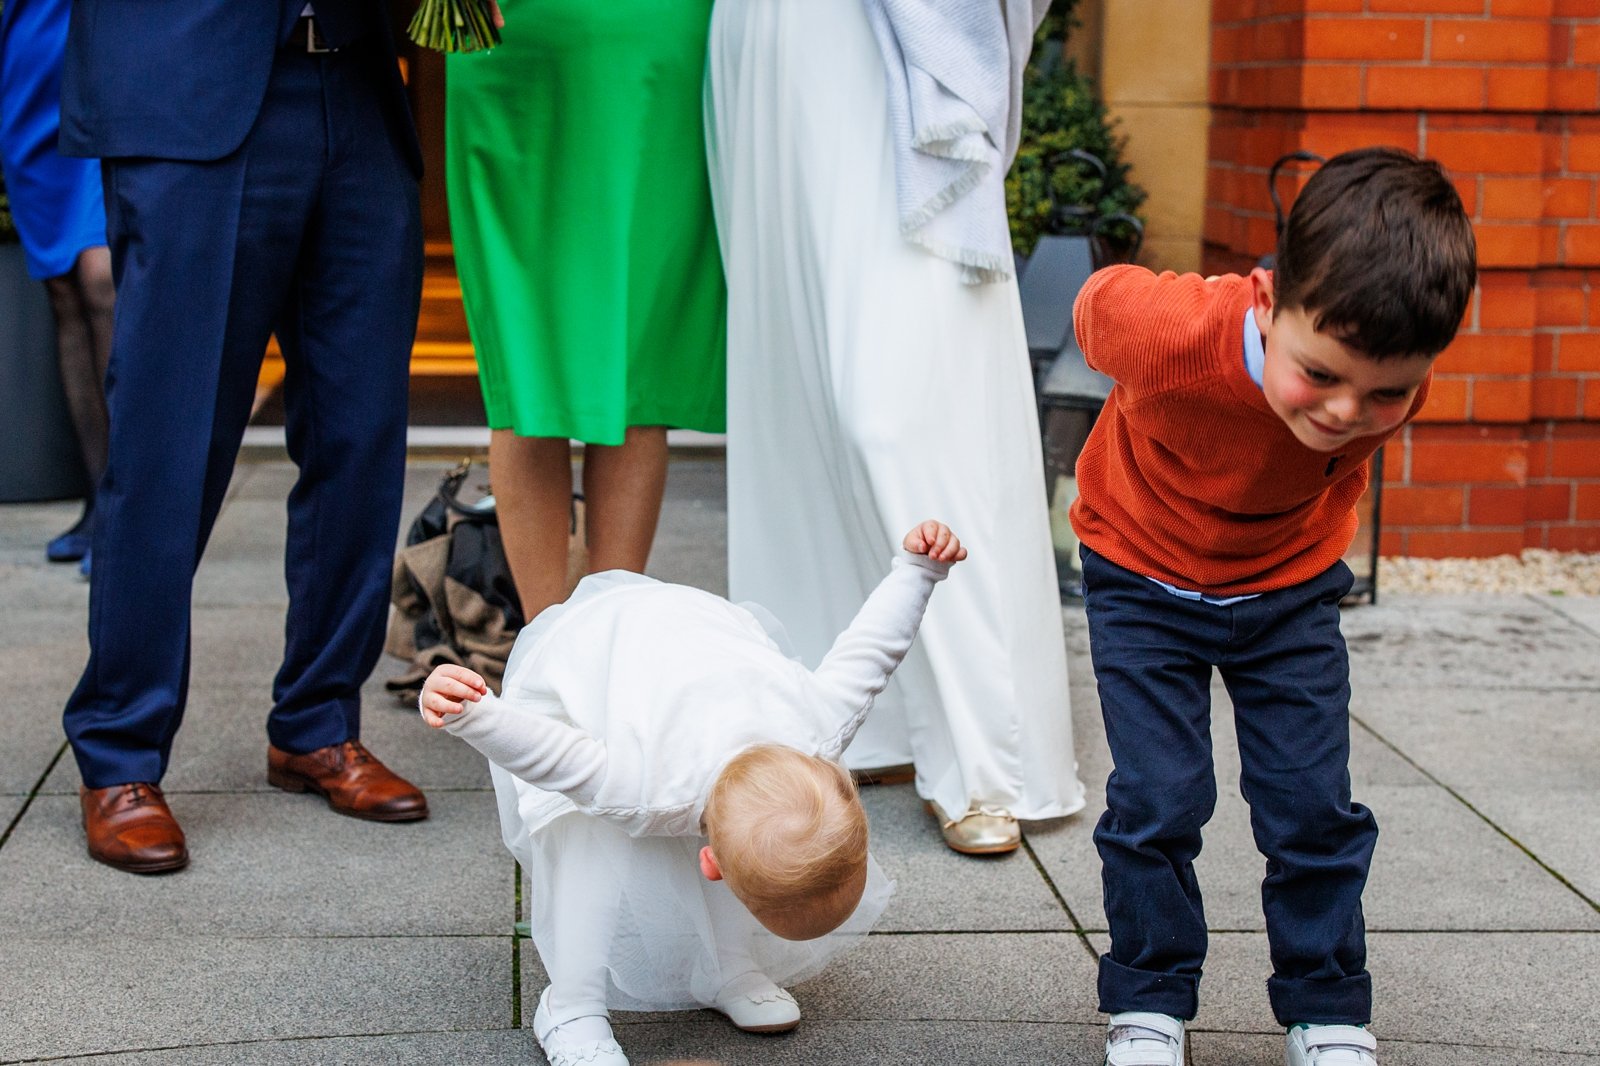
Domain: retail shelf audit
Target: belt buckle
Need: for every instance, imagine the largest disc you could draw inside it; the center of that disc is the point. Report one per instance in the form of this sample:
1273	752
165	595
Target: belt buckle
316	44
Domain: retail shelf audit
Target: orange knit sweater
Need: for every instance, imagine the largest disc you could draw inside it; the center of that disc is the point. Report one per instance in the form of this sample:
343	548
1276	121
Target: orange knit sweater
1188	475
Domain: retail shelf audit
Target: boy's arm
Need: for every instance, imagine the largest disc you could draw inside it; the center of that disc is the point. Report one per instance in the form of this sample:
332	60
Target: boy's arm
540	750
1144	330
860	662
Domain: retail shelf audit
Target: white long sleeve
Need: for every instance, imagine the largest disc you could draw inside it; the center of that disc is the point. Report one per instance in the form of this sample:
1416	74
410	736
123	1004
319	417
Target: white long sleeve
859	664
545	752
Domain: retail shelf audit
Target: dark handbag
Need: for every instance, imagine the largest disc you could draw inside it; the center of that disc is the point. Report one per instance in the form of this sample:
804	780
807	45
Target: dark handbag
454	598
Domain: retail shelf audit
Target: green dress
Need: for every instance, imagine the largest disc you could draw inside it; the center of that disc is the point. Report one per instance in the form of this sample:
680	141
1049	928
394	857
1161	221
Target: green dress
581	215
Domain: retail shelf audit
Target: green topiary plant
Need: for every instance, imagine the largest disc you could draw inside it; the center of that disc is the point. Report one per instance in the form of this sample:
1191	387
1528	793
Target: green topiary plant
1060	112
8	228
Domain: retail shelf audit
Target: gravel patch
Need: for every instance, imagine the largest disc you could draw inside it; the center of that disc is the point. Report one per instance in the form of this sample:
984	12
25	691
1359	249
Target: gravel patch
1535	570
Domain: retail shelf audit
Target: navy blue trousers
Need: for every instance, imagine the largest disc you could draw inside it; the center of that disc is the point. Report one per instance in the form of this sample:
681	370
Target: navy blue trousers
312	230
1283	660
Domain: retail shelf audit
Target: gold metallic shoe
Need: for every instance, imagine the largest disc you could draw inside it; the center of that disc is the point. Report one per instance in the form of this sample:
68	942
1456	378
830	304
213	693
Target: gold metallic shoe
979	832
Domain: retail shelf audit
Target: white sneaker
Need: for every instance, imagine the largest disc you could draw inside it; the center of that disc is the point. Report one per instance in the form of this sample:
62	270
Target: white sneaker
1137	1038
1330	1045
577	1043
753	1003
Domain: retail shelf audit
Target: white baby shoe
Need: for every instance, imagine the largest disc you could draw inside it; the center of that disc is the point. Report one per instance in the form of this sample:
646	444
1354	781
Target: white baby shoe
1138	1038
582	1042
1330	1045
753	1003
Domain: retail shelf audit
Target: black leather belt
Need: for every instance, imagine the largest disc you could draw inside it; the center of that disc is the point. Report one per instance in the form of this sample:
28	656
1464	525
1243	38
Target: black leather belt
306	37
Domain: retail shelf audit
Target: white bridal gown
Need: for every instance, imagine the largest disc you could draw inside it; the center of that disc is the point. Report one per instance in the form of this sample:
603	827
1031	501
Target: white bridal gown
868	389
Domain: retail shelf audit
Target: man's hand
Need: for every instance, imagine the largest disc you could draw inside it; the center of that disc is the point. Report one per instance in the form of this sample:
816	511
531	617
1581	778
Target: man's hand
935	540
447	691
498	19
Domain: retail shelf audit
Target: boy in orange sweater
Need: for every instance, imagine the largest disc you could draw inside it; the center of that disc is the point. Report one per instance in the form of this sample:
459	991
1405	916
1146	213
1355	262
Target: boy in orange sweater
1216	498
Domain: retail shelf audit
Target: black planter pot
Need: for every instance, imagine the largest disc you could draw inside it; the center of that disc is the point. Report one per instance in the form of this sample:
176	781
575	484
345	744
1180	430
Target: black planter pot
41	460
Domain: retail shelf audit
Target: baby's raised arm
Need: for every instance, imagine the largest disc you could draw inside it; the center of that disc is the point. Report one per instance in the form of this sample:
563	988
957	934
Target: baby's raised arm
859	664
541	750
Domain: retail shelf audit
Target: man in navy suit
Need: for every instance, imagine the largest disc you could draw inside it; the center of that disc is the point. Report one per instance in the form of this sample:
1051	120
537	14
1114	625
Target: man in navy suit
261	174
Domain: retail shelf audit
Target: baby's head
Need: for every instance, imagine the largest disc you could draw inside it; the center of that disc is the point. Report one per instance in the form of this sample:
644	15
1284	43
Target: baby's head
789	837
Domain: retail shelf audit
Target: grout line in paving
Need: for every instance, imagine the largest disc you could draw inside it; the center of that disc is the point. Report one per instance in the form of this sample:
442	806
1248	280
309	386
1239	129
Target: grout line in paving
516	947
1077	926
1551	606
1490	822
258	1042
33	793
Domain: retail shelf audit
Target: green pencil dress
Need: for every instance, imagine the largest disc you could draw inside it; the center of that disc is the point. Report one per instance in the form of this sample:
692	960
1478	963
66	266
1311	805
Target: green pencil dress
581	215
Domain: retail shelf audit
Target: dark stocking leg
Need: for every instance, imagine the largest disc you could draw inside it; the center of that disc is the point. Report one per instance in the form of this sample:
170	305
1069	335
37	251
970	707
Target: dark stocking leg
83	301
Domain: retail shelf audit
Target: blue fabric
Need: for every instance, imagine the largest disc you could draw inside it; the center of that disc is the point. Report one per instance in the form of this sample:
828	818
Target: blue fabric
55	201
311	229
185	79
1255	350
1284	662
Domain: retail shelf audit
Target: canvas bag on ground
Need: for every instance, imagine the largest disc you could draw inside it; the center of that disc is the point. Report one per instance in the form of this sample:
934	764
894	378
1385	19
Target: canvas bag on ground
454	599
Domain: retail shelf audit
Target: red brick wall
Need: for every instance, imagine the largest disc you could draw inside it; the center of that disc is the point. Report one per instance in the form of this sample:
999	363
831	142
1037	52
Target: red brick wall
1506	94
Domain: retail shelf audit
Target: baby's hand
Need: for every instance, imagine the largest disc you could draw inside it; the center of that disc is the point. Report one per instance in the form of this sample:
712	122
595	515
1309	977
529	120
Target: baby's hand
448	690
935	540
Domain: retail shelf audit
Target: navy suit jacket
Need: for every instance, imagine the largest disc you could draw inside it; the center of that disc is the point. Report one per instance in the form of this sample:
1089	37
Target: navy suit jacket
184	79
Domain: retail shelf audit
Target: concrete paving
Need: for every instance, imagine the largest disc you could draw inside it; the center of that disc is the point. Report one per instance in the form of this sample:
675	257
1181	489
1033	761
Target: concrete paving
299	937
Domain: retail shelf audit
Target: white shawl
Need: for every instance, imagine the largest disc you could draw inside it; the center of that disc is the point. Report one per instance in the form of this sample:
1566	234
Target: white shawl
954	73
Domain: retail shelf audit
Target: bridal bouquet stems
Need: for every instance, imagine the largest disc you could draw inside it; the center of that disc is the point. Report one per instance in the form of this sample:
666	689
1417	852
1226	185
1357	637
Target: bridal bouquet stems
454	26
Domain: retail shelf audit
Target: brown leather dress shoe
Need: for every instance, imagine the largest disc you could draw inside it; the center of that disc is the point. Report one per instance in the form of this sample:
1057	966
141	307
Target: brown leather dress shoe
129	827
352	779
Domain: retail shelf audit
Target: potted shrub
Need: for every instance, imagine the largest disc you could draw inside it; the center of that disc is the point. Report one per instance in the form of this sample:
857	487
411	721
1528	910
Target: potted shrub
1049	190
43	461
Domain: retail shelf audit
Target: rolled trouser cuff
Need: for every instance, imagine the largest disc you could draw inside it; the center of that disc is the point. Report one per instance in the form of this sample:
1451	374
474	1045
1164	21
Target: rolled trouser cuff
1339	1001
1123	988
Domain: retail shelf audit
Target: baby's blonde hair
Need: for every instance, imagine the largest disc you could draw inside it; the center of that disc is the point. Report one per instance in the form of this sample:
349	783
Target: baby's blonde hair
790	837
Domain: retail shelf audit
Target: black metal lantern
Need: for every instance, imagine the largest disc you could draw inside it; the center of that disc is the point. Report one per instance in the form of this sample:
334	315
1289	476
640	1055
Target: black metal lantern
1070	398
1070	394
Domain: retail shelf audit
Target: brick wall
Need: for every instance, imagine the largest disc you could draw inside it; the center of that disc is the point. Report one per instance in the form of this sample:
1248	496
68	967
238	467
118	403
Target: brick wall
1506	94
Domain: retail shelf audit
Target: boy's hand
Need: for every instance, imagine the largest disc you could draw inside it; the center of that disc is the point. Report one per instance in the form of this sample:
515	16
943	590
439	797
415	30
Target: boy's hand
447	691
935	540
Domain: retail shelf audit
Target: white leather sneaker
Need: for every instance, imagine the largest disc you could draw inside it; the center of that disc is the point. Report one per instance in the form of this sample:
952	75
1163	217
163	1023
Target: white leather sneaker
1138	1038
1330	1045
579	1043
753	1003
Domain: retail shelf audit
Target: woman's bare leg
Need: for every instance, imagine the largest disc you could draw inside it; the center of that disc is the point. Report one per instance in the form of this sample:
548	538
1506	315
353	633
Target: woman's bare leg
622	487
531	478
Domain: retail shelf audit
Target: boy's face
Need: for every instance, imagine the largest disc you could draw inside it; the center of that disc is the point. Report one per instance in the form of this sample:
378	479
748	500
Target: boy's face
1326	392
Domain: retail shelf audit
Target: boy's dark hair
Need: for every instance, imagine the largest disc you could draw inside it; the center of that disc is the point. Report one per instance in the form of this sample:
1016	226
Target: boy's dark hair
1379	252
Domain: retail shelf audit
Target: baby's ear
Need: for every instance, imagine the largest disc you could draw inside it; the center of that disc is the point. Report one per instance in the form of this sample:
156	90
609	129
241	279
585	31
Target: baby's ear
708	864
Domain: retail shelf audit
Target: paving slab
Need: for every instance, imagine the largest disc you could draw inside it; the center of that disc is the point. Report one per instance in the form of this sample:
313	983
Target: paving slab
95	994
1471	736
1414	641
938	890
709	1041
1530	991
1244	1049
495	1047
1561	827
1019	977
1584	610
30	715
264	866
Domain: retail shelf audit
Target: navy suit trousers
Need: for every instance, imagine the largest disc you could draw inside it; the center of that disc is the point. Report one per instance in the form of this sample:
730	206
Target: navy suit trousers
1283	660
311	229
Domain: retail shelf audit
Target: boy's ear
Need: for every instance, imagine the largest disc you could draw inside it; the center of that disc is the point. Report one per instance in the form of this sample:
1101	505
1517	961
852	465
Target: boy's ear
1263	298
708	865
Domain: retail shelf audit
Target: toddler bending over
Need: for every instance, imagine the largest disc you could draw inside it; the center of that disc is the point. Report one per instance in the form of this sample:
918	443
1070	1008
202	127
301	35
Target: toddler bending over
669	778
